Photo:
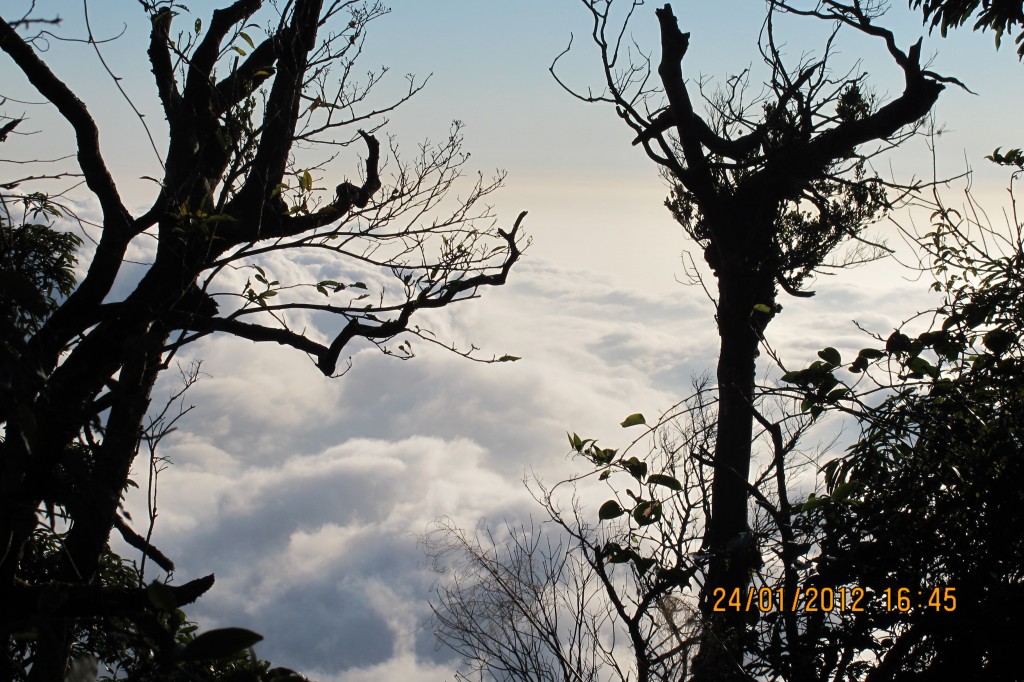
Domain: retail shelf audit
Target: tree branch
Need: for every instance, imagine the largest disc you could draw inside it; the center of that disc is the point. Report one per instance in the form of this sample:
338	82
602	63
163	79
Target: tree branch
674	44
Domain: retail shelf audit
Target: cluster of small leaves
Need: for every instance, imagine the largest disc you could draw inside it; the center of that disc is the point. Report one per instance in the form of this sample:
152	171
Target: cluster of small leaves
831	210
159	644
930	493
260	297
36	267
999	16
818	381
644	511
1012	157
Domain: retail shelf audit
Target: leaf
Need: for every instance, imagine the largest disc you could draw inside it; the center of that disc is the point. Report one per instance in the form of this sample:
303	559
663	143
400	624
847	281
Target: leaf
615	554
603	456
643	565
831	356
358	285
762	308
604	475
246	38
998	340
844	490
919	365
633	420
635	467
238	50
509	358
306	181
647	512
575	442
810	503
610	510
199	26
897	342
220	643
667	481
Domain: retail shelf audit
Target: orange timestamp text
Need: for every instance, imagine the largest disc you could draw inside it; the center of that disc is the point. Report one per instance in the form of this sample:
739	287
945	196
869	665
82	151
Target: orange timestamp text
828	599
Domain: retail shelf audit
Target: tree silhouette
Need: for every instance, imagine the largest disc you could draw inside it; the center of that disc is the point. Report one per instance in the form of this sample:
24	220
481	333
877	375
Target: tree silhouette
241	103
768	189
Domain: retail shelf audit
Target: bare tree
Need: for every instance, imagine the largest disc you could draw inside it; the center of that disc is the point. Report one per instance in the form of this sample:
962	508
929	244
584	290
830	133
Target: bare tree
572	600
257	101
768	187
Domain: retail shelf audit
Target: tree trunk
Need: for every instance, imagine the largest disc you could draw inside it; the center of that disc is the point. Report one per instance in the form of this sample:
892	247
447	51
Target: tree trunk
94	511
733	553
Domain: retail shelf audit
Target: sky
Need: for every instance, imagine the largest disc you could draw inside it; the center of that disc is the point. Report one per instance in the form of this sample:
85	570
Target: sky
305	495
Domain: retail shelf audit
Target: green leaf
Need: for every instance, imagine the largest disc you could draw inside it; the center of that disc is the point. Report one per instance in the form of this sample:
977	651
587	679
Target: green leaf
919	365
667	481
610	510
322	289
762	308
837	393
575	442
306	181
647	512
831	356
221	643
247	39
603	456
509	358
633	420
810	503
358	285
604	475
238	50
844	490
635	467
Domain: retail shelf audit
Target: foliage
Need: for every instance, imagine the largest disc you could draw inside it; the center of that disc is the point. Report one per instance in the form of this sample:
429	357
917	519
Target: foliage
37	266
597	591
907	566
930	496
152	644
999	16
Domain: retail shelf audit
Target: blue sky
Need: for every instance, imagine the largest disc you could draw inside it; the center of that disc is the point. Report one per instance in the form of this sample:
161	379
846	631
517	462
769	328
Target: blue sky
306	495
